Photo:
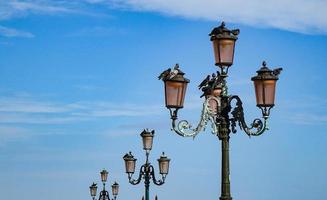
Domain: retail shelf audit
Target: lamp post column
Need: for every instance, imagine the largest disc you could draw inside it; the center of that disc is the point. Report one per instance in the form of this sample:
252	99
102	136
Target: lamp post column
224	132
147	183
225	183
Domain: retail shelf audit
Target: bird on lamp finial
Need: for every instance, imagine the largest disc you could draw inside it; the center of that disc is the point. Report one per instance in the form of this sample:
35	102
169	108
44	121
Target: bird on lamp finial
204	82
164	74
277	71
169	73
174	72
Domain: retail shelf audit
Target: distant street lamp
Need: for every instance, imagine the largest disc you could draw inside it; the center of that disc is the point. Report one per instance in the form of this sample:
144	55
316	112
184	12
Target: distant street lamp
104	194
146	170
217	106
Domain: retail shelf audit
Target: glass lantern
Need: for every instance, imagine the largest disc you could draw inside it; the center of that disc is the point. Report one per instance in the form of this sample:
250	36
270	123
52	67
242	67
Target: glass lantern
223	41
147	138
129	163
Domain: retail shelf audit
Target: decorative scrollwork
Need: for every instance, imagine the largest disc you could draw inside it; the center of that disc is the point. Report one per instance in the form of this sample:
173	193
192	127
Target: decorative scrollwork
184	128
138	180
238	117
155	181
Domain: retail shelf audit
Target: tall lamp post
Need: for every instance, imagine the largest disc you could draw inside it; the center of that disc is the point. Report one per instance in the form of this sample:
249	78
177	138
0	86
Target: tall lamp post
146	170
104	194
217	106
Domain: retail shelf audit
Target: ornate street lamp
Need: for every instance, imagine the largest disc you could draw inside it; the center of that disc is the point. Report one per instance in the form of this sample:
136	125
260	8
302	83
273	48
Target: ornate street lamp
217	106
104	194
146	170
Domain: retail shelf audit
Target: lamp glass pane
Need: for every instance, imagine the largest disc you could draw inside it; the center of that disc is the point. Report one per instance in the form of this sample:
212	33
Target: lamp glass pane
130	166
265	92
147	142
224	51
164	167
213	105
216	92
104	176
175	94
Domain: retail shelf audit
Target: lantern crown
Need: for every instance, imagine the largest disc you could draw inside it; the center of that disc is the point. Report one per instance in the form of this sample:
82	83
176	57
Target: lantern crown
223	32
163	157
147	133
94	185
175	74
264	73
129	157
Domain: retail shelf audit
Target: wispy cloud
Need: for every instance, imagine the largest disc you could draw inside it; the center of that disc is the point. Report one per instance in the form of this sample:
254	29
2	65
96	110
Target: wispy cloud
309	119
302	110
293	15
10	9
9	133
10	32
24	110
15	8
97	31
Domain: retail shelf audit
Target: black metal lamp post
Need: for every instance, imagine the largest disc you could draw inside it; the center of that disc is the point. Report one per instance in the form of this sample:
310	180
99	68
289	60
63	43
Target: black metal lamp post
104	194
217	106
146	170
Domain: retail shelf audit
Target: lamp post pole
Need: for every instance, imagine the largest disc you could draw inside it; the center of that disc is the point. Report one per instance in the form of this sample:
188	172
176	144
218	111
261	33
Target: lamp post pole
104	194
147	170
218	107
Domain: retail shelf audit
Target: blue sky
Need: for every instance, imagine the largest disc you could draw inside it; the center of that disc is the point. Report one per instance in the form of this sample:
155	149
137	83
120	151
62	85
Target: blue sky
78	83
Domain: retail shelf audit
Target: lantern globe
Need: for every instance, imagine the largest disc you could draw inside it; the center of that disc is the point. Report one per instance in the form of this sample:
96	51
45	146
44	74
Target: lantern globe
216	92
265	86
115	189
163	164
147	138
104	175
93	190
223	41
129	163
175	87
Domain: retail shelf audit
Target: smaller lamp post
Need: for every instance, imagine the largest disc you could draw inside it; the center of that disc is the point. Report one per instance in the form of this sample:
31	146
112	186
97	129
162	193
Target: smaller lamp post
146	170
104	194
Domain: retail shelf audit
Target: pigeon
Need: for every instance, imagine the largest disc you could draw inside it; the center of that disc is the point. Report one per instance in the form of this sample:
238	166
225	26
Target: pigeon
164	74
204	82
277	71
174	72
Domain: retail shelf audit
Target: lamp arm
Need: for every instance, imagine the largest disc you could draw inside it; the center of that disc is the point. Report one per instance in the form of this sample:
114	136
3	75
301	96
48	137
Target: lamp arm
155	181
104	195
183	127
257	126
137	181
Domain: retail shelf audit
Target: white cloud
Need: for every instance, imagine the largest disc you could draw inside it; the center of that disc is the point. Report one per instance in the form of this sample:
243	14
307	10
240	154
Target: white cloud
10	32
293	15
16	8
